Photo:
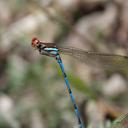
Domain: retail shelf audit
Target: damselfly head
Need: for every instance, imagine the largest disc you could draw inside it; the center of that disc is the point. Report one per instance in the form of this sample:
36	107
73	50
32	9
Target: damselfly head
35	42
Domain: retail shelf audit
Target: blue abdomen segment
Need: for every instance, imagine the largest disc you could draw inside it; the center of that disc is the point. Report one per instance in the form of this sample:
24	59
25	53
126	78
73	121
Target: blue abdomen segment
69	91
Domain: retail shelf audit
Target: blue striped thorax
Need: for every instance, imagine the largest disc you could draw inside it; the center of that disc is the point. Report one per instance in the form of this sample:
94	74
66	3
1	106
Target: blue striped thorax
52	51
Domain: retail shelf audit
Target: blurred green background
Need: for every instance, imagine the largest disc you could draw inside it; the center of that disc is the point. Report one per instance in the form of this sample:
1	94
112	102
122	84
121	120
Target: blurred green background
32	91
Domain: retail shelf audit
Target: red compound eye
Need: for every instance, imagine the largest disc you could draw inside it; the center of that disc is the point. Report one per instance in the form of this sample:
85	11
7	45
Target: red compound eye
35	42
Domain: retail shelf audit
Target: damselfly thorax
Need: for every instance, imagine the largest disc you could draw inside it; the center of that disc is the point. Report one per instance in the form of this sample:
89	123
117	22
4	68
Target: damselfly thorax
48	49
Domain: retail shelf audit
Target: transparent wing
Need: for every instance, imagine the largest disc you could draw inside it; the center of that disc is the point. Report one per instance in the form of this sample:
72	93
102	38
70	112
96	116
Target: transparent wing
121	122
97	59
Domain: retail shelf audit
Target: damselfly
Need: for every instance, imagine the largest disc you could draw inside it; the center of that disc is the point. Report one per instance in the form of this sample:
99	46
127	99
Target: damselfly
96	59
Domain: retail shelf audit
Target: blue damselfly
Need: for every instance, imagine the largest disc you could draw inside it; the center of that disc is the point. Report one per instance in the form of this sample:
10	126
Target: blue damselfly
94	58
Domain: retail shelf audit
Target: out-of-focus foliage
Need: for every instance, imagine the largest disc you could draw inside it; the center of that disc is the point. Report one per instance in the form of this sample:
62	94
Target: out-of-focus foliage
32	92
